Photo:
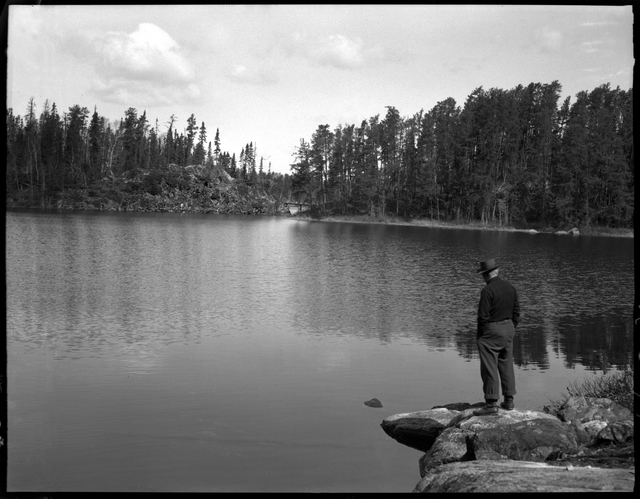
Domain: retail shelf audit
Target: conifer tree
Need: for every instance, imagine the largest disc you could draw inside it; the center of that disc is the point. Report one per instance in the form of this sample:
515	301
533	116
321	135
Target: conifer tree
96	132
190	137
216	151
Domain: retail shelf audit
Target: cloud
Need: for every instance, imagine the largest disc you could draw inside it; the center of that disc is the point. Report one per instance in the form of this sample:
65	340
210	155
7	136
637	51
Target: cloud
600	23
121	91
148	53
465	65
591	46
27	21
338	51
253	76
146	67
548	40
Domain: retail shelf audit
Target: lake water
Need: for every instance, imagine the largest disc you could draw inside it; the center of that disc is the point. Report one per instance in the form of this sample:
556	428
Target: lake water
182	352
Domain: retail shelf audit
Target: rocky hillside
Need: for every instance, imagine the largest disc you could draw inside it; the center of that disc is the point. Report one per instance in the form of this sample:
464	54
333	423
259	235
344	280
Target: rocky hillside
194	189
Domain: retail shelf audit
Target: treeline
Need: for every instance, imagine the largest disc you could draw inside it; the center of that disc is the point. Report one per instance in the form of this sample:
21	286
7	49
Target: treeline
507	157
49	153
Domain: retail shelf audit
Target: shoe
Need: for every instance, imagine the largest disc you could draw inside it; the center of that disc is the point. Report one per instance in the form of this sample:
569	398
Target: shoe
486	410
507	405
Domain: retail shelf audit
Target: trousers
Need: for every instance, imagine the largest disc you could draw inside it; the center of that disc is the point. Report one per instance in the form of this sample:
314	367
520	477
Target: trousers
495	347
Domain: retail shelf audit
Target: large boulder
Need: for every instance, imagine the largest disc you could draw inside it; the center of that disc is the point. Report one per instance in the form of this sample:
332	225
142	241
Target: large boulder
597	419
586	409
618	432
453	438
419	429
449	447
534	440
523	476
518	435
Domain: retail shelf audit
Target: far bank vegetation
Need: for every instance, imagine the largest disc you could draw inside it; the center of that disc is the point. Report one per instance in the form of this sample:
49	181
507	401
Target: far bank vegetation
513	157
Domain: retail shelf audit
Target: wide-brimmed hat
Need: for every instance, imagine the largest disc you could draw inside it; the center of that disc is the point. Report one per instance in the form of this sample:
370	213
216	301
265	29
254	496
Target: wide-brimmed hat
487	265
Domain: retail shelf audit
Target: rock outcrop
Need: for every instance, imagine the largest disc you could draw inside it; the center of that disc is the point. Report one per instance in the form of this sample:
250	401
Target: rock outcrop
520	451
174	189
574	231
523	476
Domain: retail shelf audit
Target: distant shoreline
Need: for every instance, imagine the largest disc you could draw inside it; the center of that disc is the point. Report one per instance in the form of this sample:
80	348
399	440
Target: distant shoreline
387	220
426	222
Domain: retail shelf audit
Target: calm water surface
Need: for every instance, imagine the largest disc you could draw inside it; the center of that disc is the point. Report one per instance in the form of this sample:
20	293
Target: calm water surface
175	352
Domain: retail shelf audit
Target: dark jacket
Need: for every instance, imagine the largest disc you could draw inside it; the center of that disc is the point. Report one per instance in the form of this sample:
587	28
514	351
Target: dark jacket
498	301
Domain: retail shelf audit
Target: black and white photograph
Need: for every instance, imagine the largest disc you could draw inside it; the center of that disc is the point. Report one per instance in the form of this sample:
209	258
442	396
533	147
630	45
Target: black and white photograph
343	248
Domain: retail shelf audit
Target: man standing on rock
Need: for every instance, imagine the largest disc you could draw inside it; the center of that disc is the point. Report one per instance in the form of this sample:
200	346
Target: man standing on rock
498	316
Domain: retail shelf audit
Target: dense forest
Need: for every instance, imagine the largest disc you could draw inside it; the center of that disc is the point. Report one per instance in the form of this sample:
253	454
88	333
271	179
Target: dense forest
54	160
508	157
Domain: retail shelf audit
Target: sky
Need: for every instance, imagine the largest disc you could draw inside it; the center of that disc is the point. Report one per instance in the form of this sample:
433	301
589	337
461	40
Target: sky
272	74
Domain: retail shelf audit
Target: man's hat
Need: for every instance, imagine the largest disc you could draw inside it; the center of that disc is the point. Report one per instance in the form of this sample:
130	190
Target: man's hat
487	266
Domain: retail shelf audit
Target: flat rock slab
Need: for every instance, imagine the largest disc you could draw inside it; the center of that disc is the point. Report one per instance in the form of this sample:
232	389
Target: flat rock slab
523	476
465	420
441	415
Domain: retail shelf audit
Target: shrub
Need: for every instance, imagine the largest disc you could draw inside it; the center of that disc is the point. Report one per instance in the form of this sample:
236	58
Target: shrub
183	183
114	195
171	179
154	189
617	386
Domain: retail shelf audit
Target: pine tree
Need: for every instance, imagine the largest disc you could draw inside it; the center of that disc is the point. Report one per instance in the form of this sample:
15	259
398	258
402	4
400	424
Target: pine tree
190	137
31	134
51	144
129	140
250	158
96	132
74	151
169	148
199	152
321	145
233	167
141	143
216	151
301	180
209	160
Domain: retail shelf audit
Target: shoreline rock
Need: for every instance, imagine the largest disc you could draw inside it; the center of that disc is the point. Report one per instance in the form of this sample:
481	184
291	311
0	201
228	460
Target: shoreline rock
425	222
520	451
523	476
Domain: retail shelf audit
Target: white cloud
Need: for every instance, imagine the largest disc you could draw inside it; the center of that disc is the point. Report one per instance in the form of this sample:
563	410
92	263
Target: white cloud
338	51
121	91
592	46
146	54
26	21
549	40
146	67
254	76
600	23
